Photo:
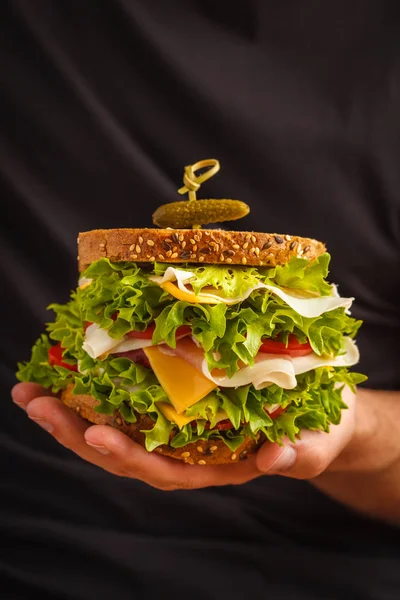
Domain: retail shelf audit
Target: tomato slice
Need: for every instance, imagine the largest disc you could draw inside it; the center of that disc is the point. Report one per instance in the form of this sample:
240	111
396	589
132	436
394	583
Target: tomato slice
55	357
147	334
221	425
275	413
294	347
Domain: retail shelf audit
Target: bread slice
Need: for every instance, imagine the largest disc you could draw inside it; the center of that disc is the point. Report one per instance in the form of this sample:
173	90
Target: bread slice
208	246
212	452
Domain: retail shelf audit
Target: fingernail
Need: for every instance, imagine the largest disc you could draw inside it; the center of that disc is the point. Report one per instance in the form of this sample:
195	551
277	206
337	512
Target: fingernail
101	449
42	423
284	461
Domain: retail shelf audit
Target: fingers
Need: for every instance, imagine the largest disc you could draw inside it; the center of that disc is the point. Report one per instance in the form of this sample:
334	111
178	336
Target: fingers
314	453
128	459
23	393
115	452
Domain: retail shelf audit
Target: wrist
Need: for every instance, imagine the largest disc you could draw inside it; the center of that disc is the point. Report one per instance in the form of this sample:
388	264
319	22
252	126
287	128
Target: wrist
375	443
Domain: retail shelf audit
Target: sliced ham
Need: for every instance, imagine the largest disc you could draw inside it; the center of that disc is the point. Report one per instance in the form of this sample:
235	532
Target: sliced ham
267	368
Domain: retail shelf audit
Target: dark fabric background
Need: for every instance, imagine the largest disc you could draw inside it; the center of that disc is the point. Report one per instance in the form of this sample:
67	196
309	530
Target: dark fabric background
102	104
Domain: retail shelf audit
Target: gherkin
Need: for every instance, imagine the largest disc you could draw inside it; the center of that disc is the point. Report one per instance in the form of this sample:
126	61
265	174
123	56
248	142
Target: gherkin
185	214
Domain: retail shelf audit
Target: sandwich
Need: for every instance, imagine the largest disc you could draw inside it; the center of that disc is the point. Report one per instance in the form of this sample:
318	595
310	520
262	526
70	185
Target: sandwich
200	344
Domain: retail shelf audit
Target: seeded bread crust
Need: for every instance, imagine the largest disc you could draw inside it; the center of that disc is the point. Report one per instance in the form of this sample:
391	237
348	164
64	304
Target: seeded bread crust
213	452
208	246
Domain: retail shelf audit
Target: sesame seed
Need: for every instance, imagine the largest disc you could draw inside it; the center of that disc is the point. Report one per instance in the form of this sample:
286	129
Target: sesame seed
193	256
196	238
248	236
257	250
222	258
185	454
229	252
138	249
214	448
194	248
161	257
278	239
175	237
174	255
292	245
134	256
236	246
152	258
102	245
168	240
201	462
199	449
183	245
180	237
228	260
175	248
288	238
201	258
245	245
234	456
132	247
205	250
207	233
140	239
165	245
150	243
192	241
267	245
185	254
169	253
307	248
244	260
253	239
189	461
253	250
118	420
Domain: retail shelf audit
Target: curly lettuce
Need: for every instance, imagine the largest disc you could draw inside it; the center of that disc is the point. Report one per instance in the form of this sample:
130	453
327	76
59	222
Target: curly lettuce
121	297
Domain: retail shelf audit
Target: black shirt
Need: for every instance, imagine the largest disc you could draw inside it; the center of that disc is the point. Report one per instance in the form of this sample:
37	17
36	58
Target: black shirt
102	104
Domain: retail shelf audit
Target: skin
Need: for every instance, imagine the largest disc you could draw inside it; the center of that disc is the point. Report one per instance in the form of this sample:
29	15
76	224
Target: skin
357	463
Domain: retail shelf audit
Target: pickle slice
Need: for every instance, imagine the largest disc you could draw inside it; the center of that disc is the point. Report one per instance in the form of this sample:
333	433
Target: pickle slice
185	214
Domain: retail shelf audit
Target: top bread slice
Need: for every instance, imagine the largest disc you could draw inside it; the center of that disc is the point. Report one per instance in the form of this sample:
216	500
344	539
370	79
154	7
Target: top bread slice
208	246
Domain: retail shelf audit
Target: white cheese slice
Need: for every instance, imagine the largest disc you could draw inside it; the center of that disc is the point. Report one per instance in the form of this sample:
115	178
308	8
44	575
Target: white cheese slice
306	307
97	341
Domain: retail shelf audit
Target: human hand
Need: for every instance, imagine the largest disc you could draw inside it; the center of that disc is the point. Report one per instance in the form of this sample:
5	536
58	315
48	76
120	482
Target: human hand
315	453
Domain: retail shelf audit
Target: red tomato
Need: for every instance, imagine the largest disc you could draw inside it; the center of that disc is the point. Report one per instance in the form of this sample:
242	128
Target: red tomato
294	347
147	334
55	356
221	426
275	413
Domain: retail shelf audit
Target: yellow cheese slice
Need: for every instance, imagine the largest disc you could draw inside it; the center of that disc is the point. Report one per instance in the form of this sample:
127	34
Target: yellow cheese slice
183	383
173	289
182	420
171	414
